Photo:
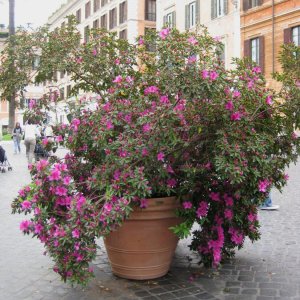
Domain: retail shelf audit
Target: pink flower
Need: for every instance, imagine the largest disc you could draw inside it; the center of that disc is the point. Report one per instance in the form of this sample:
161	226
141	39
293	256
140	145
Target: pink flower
151	90
252	217
228	200
75	123
229	105
42	164
67	180
80	202
164	99
59	139
145	152
123	153
250	84
213	75
38	228
26	205
45	141
55	175
164	33
228	214
61	191
263	185
129	79
118	79
205	74
37	211
109	125
236	237
192	40
170	170
127	118
269	100
117	61
236	94
141	41
160	156
79	60
143	203
24	226
214	196
171	182
146	127
31	104
192	59
256	70
76	233
236	116
107	207
94	52
187	205
286	177
202	209
217	38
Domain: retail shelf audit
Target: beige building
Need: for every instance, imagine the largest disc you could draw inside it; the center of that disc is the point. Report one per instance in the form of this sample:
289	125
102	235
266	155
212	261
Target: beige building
221	17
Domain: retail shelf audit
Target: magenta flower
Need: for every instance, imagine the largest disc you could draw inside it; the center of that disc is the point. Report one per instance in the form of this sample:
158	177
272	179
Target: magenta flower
205	74
160	156
215	196
38	228
76	233
236	94
22	193
187	205
32	104
164	33
54	175
151	90
229	106
94	52
252	217
117	61
107	207
80	202
171	182
164	99
192	40
61	191
118	79
146	127
109	125
26	205
236	116
67	180
45	141
269	100
213	75
256	70
59	139
141	41
145	152
263	185
228	214
37	211
143	203
202	209
192	59
25	225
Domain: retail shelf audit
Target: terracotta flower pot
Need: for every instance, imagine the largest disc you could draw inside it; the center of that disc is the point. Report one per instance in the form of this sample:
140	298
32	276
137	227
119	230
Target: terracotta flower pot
143	247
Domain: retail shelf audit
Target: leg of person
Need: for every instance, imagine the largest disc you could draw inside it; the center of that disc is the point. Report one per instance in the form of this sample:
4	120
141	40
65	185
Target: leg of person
15	145
19	145
27	145
268	205
31	150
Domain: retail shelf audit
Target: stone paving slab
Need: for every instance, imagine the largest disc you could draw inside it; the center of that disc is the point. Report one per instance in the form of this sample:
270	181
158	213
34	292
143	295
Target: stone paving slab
266	270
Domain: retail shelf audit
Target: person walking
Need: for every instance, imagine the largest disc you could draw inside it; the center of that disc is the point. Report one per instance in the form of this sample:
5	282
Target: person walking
31	133
17	137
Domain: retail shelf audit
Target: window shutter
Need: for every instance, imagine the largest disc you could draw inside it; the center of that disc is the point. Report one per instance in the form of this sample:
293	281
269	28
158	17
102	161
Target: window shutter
197	12
165	21
247	48
213	9
287	35
115	18
262	53
173	19
187	17
125	14
259	2
245	5
225	7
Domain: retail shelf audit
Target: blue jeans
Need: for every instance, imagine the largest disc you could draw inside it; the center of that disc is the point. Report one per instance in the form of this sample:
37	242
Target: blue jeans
268	202
17	145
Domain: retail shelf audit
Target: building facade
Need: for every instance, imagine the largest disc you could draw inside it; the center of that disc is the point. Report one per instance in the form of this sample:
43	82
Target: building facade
265	26
221	17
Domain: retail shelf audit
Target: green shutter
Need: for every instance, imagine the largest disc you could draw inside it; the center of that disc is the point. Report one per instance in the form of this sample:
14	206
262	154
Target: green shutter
197	12
213	9
187	17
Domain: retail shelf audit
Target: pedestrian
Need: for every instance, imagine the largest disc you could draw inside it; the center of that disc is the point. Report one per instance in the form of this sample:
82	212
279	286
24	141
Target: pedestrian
17	137
31	134
268	204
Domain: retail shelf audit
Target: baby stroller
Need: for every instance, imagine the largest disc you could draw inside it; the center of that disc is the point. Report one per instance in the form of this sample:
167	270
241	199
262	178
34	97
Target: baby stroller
4	163
39	151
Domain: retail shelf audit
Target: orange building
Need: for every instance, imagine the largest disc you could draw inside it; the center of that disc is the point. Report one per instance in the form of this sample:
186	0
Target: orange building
265	26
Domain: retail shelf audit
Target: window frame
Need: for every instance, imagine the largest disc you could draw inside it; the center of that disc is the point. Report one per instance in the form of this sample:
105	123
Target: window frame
78	15
87	9
257	50
220	8
297	35
192	14
150	10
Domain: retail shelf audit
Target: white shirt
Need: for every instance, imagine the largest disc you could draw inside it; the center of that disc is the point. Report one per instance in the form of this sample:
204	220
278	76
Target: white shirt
31	131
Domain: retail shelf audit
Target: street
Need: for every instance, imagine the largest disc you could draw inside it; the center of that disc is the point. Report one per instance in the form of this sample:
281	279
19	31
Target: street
266	270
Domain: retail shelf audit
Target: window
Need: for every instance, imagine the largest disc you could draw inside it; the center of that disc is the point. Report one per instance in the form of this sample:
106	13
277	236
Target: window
123	12
169	20
254	44
247	4
35	63
96	24
104	21
62	74
104	2
86	37
150	10
68	91
253	3
87	9
62	93
149	46
96	5
55	76
112	18
192	14
219	8
296	35
123	34
78	15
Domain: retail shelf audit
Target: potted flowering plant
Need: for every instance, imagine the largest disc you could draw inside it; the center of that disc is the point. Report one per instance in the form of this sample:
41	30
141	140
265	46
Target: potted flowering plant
172	123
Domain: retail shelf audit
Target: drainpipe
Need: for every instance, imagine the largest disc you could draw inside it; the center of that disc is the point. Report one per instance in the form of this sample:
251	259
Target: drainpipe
273	36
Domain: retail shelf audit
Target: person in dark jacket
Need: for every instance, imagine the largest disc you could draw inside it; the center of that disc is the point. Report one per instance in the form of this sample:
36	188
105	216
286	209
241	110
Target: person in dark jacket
17	137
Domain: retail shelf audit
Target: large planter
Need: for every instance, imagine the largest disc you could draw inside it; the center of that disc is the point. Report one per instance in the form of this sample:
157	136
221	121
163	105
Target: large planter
143	247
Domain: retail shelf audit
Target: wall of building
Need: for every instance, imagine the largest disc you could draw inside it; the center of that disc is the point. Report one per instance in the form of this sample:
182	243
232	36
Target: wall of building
269	21
226	27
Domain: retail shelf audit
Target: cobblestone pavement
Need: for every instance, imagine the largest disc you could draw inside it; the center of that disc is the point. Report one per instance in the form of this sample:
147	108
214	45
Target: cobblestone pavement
266	270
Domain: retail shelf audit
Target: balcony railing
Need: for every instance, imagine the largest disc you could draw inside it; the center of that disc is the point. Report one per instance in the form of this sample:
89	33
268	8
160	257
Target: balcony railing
150	16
